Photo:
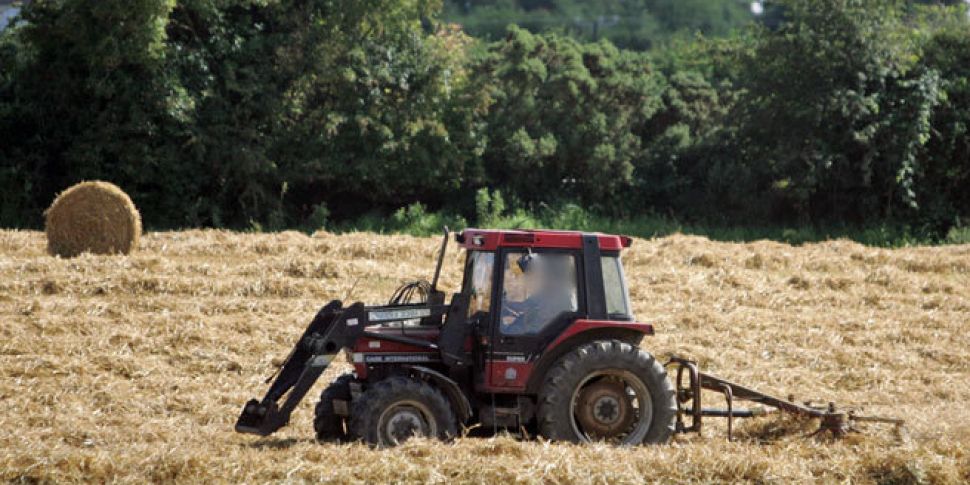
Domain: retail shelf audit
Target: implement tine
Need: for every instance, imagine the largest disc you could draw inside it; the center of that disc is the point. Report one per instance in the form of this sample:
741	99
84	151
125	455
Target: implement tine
876	419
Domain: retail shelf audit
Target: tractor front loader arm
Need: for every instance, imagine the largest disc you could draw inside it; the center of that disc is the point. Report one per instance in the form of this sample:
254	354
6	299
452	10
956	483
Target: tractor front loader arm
332	329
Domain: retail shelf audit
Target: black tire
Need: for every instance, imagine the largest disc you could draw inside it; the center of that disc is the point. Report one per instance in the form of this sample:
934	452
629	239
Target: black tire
605	364
396	408
328	425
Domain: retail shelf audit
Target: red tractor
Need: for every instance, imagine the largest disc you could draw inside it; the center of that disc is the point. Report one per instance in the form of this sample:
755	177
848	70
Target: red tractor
541	338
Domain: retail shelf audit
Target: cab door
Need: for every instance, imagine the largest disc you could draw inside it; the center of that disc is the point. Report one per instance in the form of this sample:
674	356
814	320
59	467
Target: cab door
537	295
480	274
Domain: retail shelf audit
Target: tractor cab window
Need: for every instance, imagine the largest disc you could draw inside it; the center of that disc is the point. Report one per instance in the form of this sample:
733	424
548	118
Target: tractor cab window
479	274
537	290
617	296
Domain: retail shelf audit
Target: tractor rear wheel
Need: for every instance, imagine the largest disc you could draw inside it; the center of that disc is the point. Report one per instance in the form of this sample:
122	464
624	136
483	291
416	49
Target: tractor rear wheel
398	408
326	422
608	391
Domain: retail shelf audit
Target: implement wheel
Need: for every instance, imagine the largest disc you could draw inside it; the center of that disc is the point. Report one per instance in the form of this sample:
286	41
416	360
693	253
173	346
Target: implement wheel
607	391
399	408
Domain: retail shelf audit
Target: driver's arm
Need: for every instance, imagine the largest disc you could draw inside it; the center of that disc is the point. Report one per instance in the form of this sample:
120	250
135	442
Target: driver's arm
516	306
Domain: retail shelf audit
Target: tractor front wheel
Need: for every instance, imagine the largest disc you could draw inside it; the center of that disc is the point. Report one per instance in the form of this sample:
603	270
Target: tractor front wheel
398	408
607	391
326	422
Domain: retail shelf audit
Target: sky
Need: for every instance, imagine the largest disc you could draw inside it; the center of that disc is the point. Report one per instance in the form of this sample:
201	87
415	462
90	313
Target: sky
6	14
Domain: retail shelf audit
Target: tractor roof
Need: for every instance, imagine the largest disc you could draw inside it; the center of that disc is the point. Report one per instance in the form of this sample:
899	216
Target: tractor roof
490	239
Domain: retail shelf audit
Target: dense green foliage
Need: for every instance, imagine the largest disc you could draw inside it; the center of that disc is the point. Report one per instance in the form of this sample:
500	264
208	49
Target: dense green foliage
303	103
633	24
839	136
562	117
84	94
310	113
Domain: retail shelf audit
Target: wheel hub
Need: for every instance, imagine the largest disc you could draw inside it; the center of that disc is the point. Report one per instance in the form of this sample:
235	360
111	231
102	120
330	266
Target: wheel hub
604	410
403	423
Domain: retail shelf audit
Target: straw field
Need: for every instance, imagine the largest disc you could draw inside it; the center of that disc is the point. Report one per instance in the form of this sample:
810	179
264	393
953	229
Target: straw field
133	368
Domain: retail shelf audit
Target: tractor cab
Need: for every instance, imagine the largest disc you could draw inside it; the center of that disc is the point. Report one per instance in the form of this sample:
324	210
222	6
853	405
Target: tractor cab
529	289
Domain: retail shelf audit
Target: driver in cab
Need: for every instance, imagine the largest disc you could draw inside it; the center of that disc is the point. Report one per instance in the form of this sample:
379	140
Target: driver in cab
548	284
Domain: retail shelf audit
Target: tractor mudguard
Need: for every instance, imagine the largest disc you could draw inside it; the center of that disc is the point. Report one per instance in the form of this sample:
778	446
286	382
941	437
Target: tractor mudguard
451	389
582	331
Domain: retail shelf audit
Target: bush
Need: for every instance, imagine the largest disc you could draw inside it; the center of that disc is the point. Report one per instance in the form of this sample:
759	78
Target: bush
958	235
417	221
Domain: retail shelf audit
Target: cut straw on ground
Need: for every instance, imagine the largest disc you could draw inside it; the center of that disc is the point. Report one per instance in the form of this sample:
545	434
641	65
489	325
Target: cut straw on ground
134	368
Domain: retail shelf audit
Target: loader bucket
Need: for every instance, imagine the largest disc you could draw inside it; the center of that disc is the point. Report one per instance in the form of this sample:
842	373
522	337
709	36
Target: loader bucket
260	419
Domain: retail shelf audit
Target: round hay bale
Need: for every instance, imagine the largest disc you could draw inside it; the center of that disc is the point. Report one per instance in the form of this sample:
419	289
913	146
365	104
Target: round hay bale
96	217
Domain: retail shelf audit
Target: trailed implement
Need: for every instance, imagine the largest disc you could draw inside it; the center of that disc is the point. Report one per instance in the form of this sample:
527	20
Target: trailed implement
690	382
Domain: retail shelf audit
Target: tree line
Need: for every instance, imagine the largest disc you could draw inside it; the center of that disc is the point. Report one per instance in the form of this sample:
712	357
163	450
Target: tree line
296	113
631	24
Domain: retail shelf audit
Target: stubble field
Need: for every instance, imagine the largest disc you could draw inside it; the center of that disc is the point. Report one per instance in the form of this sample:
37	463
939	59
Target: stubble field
134	368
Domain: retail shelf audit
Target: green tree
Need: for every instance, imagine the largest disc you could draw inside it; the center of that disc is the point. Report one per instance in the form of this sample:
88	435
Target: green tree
90	99
388	120
835	116
945	169
339	104
560	126
635	24
688	136
16	181
677	140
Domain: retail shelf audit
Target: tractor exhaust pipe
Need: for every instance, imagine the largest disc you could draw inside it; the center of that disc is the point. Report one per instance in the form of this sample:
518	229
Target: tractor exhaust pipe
441	260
